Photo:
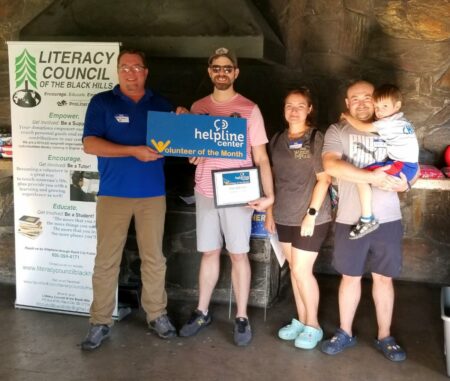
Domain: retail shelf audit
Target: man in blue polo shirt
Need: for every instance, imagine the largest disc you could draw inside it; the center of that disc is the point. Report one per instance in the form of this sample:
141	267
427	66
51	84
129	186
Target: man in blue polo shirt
131	184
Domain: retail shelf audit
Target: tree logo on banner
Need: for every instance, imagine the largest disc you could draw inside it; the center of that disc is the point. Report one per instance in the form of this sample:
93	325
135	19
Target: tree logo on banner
26	74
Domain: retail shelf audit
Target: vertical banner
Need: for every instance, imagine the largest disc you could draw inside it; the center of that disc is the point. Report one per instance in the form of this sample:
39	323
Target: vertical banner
55	182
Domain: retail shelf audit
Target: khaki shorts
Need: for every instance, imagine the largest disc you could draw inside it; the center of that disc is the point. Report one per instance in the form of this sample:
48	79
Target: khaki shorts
234	224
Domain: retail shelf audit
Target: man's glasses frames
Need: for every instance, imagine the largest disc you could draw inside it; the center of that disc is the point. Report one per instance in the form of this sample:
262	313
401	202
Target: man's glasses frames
131	69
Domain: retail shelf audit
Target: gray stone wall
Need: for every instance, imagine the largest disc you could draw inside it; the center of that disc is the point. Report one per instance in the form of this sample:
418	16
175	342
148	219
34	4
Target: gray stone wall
14	15
331	42
183	263
328	44
426	243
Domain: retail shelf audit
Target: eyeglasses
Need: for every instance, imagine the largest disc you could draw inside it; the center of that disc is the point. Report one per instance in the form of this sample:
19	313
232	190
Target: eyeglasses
227	69
131	69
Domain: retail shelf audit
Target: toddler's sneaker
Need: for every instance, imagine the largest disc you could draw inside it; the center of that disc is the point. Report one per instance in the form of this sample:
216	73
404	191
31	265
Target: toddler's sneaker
363	228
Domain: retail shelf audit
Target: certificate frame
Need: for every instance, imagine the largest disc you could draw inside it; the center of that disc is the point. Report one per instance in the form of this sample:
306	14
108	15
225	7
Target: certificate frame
236	186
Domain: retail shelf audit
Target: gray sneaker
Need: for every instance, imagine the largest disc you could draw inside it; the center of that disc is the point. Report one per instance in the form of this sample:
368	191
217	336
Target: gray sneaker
163	327
95	336
242	332
196	322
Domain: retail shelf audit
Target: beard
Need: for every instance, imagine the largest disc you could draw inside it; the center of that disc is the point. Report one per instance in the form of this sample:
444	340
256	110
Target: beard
222	85
363	115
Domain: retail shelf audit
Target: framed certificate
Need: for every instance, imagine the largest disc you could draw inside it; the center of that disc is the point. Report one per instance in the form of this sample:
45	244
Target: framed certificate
234	187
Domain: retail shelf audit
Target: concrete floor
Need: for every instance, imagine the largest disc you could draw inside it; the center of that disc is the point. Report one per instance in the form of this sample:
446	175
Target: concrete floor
44	346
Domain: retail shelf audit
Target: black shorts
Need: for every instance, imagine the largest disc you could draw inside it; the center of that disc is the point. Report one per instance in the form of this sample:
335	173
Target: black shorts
378	252
291	234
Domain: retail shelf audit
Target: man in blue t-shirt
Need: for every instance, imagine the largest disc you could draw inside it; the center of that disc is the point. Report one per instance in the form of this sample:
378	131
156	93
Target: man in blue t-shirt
131	185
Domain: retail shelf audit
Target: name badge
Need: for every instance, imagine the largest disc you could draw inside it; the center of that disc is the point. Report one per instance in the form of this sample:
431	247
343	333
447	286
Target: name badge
295	144
121	118
379	143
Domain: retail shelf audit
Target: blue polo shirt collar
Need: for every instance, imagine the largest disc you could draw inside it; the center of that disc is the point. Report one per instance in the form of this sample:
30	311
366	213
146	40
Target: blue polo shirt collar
116	91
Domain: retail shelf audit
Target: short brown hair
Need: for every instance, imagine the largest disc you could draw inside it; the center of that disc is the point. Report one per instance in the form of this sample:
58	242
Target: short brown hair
389	91
137	52
357	82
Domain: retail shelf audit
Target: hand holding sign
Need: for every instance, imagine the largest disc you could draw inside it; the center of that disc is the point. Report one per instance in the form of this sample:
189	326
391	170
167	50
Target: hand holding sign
195	160
181	110
144	153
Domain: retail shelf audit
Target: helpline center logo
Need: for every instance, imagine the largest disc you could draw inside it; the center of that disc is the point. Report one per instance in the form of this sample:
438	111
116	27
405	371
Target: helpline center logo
220	135
26	76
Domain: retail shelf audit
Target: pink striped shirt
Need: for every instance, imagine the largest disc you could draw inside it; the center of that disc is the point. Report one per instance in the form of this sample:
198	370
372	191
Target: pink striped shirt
256	135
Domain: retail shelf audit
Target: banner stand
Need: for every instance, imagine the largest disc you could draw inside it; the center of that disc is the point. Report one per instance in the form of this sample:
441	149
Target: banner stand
55	182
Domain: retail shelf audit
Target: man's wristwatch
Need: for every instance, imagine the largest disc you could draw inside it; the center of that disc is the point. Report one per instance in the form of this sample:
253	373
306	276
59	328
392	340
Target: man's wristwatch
312	212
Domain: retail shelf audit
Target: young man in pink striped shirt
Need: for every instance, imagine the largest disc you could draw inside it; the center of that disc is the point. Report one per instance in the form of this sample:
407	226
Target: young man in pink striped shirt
232	224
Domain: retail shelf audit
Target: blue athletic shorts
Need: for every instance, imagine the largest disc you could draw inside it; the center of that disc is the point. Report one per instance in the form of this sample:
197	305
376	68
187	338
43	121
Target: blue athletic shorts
378	252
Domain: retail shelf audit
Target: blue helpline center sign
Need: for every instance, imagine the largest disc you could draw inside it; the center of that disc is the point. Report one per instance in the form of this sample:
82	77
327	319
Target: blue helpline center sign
190	135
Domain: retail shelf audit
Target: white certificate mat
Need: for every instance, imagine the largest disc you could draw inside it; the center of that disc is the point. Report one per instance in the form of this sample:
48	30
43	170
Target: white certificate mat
234	187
